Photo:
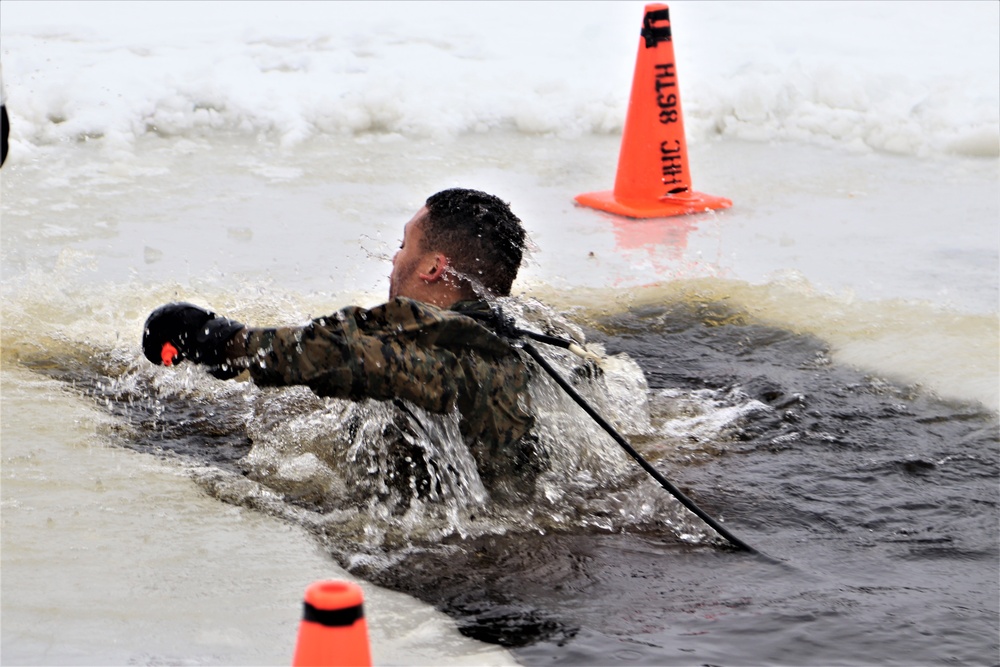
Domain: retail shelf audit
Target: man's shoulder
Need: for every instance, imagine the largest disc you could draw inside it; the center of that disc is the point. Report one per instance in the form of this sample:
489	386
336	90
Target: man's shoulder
439	326
402	312
403	308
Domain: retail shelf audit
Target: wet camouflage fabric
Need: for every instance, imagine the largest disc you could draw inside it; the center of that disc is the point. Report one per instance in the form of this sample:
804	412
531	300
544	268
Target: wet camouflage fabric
404	349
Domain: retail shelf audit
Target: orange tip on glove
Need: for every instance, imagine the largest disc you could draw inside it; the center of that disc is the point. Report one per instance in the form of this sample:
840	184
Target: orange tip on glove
168	354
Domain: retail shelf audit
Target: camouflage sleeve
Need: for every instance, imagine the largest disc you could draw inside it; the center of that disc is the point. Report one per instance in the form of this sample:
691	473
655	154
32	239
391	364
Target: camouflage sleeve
356	354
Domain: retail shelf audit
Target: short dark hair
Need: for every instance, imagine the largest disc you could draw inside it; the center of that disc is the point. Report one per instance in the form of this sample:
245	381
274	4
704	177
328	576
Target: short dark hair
483	239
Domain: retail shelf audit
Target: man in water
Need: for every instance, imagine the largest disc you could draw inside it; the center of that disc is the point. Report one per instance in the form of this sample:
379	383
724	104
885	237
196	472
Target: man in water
424	346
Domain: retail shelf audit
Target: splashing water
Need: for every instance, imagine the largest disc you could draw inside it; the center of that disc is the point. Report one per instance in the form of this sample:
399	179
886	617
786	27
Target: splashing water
375	480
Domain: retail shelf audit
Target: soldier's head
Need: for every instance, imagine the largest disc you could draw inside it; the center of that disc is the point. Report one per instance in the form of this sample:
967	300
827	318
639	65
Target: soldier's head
461	244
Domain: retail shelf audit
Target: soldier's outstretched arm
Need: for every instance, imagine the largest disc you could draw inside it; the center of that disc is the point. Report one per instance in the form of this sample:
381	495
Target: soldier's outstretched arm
334	358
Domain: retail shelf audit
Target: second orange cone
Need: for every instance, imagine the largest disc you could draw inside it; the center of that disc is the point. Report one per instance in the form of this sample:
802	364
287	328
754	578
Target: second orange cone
333	631
653	179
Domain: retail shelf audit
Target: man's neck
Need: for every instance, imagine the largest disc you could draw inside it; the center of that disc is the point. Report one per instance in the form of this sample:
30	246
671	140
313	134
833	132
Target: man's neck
448	296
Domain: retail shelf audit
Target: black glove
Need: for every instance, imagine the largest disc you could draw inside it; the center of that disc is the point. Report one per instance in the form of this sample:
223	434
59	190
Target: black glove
192	333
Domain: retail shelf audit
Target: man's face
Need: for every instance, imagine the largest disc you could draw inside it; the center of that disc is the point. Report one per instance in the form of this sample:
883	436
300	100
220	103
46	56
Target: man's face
404	279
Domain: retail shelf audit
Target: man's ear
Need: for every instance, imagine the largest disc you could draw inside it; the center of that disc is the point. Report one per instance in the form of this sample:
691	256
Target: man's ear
435	270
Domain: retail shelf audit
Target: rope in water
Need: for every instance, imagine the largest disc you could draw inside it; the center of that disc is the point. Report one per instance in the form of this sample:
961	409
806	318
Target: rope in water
646	465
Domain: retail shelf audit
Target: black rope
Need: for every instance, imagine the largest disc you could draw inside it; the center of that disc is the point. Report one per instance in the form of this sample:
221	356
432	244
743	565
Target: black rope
646	465
504	326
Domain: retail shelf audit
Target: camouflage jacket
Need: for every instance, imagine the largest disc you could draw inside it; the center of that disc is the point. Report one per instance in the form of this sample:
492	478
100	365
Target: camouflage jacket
437	359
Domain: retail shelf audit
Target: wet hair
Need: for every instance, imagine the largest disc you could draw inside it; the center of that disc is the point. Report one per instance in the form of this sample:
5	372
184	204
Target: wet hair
483	239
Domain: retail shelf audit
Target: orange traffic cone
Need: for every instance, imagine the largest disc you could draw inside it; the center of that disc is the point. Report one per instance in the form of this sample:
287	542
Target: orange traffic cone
653	178
333	631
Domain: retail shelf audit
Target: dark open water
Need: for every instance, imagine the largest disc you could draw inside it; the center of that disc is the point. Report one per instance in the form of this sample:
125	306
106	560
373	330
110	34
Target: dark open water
876	503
